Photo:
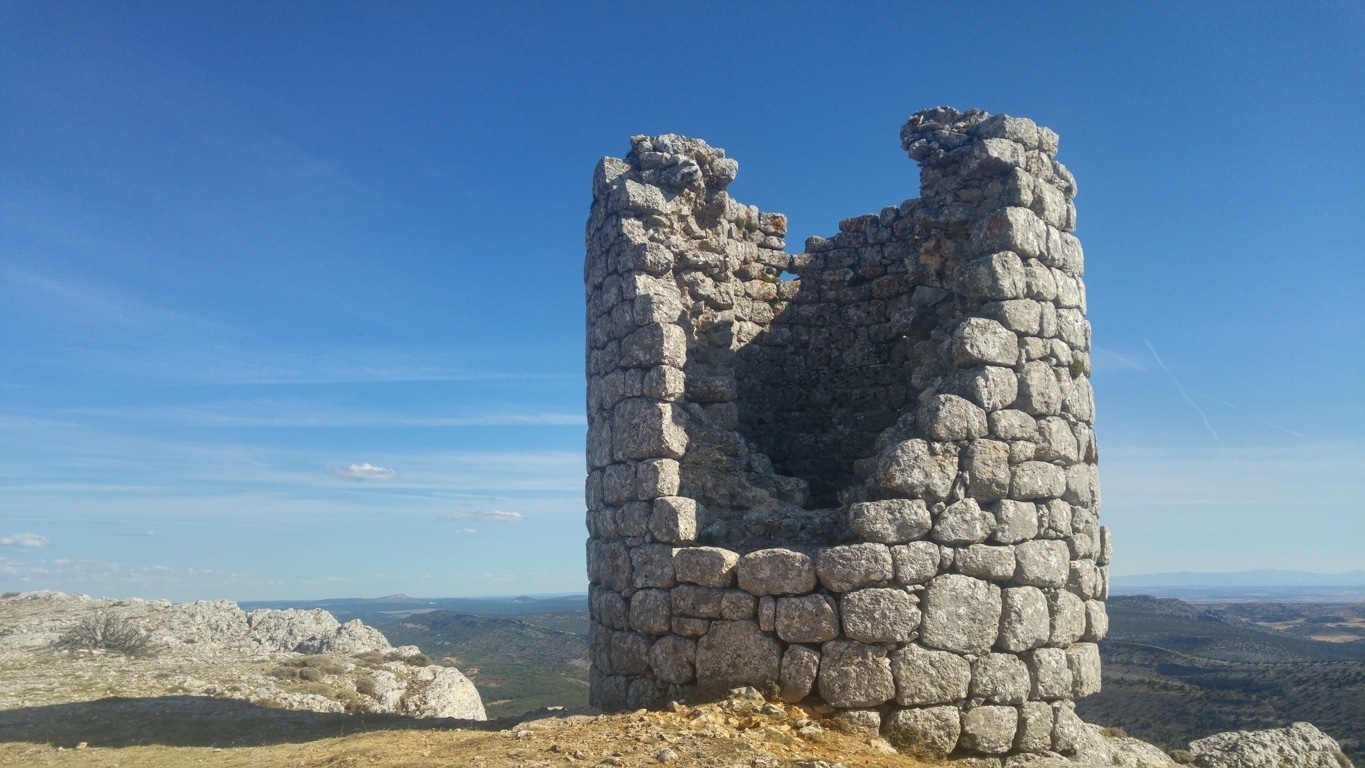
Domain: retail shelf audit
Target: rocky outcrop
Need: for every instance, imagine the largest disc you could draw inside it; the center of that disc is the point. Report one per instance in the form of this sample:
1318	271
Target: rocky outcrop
1299	746
303	660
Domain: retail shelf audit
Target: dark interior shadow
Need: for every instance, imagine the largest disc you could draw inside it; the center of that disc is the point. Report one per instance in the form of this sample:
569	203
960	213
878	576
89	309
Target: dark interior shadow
200	721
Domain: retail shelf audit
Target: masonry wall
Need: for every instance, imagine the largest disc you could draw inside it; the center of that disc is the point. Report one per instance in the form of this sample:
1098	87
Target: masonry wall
862	477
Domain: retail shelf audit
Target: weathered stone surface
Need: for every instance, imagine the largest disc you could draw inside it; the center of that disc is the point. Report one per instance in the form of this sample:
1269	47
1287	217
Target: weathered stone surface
1038	390
737	604
992	387
1015	521
737	653
987	463
707	566
1013	425
1096	621
850	566
979	341
655	478
1025	622
989	729
1083	660
776	572
651	565
916	562
691	600
649	611
892	521
647	429
946	418
855	674
925	677
674	659
996	276
1301	745
963	522
1050	675
1042	563
961	614
807	619
1000	678
674	519
443	692
1068	618
931	732
1035	727
800	665
916	468
879	615
1037	480
985	562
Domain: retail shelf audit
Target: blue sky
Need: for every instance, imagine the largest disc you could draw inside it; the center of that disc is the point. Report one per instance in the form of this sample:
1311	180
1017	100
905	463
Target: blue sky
292	301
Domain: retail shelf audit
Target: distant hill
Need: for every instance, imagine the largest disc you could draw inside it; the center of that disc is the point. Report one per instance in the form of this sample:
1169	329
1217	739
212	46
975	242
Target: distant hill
377	610
1264	577
1174	672
518	664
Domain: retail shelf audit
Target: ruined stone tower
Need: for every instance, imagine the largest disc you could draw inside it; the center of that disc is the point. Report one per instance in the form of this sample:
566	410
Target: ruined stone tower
862	477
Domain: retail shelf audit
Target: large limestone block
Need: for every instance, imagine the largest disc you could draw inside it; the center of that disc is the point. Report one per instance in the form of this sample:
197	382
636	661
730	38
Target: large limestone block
652	566
850	566
1068	618
1301	745
1049	673
650	611
1038	390
985	562
737	653
443	692
926	677
1096	621
946	418
1011	229
674	659
655	344
800	666
1042	563
807	619
699	602
916	468
707	566
1015	521
961	614
776	571
608	608
1083	659
1035	727
916	562
891	521
879	615
1037	480
1000	678
962	523
1056	441
674	519
855	674
1025	622
647	429
992	387
994	276
655	478
987	463
989	729
931	732
978	341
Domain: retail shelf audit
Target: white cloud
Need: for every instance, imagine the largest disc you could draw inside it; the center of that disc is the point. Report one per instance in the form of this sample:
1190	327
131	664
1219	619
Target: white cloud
364	471
465	531
495	516
23	540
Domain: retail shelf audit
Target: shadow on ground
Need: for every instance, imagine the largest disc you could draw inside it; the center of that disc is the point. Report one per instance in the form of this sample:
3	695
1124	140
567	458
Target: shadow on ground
196	721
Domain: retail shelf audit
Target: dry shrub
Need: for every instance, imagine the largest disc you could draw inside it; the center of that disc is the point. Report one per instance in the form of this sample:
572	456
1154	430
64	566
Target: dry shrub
104	631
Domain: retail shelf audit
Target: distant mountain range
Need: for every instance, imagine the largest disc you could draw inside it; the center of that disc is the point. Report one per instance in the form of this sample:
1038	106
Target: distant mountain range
1263	577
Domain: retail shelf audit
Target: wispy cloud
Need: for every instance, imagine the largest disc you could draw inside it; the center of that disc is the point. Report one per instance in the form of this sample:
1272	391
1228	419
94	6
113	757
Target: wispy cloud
24	540
465	531
1103	360
306	414
1183	392
364	471
495	516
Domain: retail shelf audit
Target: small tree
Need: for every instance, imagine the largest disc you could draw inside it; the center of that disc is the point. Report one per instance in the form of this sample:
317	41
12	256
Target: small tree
105	631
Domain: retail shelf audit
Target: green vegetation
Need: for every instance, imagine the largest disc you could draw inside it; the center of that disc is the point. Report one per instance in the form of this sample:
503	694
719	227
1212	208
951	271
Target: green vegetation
1175	672
519	664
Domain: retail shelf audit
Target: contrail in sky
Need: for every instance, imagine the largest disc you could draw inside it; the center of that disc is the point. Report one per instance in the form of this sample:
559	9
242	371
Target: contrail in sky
1183	393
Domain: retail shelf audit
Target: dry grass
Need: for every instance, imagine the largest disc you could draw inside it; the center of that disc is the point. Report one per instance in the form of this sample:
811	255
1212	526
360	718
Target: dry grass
711	734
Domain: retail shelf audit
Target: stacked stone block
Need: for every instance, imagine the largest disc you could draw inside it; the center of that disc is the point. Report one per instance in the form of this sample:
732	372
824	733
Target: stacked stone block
862	477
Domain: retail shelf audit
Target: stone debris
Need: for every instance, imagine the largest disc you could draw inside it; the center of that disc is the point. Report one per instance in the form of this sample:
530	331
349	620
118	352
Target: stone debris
302	660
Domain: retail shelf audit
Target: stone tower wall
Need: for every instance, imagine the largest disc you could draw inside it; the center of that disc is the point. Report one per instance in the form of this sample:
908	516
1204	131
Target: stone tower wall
862	477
